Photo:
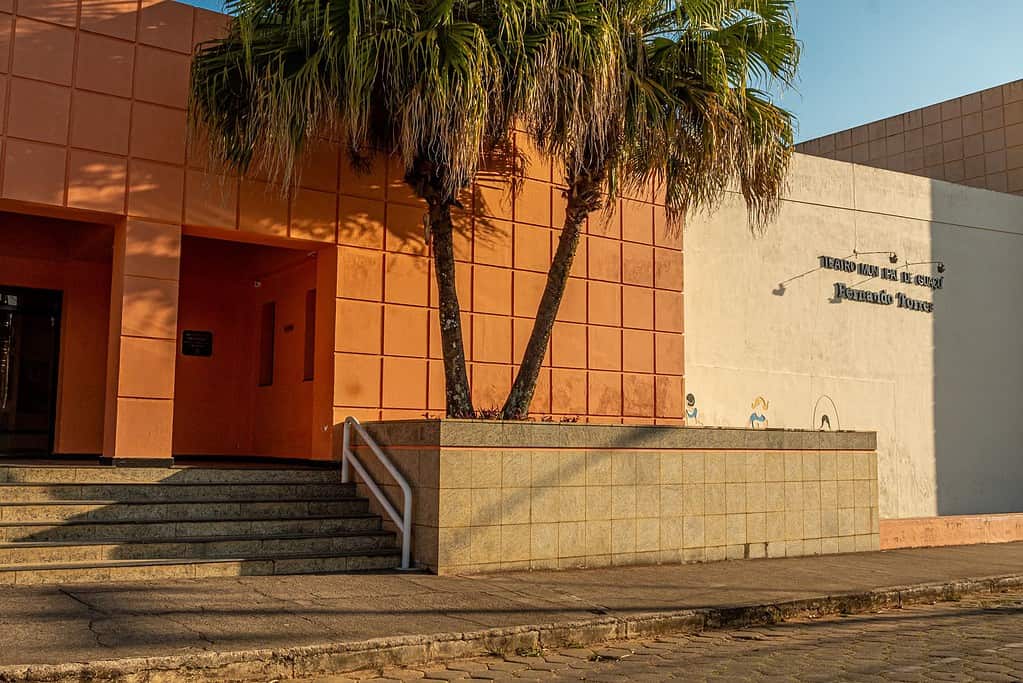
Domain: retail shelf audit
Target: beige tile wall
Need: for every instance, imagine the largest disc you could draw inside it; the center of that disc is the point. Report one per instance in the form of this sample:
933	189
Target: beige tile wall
974	140
491	509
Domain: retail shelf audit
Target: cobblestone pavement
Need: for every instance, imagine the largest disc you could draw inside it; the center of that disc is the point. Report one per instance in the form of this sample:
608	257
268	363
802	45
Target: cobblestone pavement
975	639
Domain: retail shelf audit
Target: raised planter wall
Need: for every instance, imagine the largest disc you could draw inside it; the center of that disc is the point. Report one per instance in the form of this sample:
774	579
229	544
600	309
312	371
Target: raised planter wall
495	496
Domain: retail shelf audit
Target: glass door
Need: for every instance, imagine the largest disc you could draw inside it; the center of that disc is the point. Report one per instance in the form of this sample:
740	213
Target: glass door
29	362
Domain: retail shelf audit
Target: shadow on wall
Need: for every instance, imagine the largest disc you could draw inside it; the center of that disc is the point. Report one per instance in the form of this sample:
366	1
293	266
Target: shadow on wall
978	341
477	217
387	215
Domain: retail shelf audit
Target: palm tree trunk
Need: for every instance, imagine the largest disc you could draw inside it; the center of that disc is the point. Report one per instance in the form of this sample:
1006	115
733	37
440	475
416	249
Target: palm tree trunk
456	379
583	197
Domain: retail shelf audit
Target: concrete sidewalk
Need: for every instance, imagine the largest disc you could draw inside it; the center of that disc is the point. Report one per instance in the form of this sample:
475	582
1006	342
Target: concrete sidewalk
325	621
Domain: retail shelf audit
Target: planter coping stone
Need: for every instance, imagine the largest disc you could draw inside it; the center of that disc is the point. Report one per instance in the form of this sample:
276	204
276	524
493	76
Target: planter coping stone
501	434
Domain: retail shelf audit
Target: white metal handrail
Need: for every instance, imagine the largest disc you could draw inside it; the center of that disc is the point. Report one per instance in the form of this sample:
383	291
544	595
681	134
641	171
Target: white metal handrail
403	521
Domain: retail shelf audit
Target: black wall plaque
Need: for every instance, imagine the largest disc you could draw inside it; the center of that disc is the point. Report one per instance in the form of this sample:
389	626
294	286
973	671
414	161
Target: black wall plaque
197	343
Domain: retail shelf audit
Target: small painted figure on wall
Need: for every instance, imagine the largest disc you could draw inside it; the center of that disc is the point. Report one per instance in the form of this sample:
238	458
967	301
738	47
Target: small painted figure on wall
692	412
758	419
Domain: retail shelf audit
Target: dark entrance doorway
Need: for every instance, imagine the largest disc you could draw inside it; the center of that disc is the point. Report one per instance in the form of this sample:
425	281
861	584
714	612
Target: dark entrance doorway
29	362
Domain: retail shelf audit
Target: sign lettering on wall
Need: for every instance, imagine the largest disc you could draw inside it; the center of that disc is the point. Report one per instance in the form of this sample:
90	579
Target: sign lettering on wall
197	343
882	297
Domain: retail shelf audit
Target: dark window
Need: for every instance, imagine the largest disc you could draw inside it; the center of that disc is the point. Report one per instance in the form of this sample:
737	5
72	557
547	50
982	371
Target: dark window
267	329
310	334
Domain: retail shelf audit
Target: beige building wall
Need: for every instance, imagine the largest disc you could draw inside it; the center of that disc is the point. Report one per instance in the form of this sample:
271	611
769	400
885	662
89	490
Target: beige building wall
942	390
975	140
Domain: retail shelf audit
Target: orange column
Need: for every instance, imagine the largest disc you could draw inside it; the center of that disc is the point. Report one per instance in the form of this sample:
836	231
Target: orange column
143	341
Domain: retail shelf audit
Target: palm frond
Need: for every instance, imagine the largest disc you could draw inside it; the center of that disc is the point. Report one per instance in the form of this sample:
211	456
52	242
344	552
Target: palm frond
667	92
432	82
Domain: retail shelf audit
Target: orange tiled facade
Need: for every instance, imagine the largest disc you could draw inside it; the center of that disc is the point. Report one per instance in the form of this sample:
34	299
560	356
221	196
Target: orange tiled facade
974	140
94	131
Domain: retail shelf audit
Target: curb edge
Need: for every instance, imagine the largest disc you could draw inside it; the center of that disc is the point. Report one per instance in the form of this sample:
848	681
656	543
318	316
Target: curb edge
338	658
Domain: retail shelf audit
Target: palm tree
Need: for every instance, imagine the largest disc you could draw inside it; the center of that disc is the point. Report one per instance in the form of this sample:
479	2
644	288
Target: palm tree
632	94
433	82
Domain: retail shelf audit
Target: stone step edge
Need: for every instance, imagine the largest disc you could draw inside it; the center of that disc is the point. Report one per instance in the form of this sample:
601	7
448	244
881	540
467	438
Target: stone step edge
178	501
191	520
99	475
338	658
190	539
334	465
175	561
168	484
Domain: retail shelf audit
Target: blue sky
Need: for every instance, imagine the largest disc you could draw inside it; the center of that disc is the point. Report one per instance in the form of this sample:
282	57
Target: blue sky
208	4
865	60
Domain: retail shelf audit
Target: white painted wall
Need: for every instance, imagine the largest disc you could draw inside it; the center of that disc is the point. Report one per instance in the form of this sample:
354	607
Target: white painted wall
942	390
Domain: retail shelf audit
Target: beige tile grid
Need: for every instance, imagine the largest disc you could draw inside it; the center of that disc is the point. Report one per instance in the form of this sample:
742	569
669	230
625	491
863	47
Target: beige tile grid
974	140
519	509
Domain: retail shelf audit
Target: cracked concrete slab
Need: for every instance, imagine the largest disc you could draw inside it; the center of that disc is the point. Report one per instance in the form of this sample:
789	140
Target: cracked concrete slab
80	623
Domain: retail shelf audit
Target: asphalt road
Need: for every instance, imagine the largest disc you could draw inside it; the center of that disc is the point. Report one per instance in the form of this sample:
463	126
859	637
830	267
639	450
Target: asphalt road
976	639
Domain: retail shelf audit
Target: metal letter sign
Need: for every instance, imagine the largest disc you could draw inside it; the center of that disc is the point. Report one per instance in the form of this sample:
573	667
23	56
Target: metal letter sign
882	297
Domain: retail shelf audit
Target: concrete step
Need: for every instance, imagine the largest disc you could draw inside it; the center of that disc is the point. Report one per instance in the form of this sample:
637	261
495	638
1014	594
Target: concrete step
74	530
149	570
146	511
36	553
164	491
22	474
84	524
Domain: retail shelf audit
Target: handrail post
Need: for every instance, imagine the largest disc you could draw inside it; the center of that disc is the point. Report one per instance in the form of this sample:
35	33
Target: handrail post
346	442
406	544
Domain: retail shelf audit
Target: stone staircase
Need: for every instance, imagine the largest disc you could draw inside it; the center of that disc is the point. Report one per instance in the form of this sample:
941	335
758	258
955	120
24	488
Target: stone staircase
86	524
